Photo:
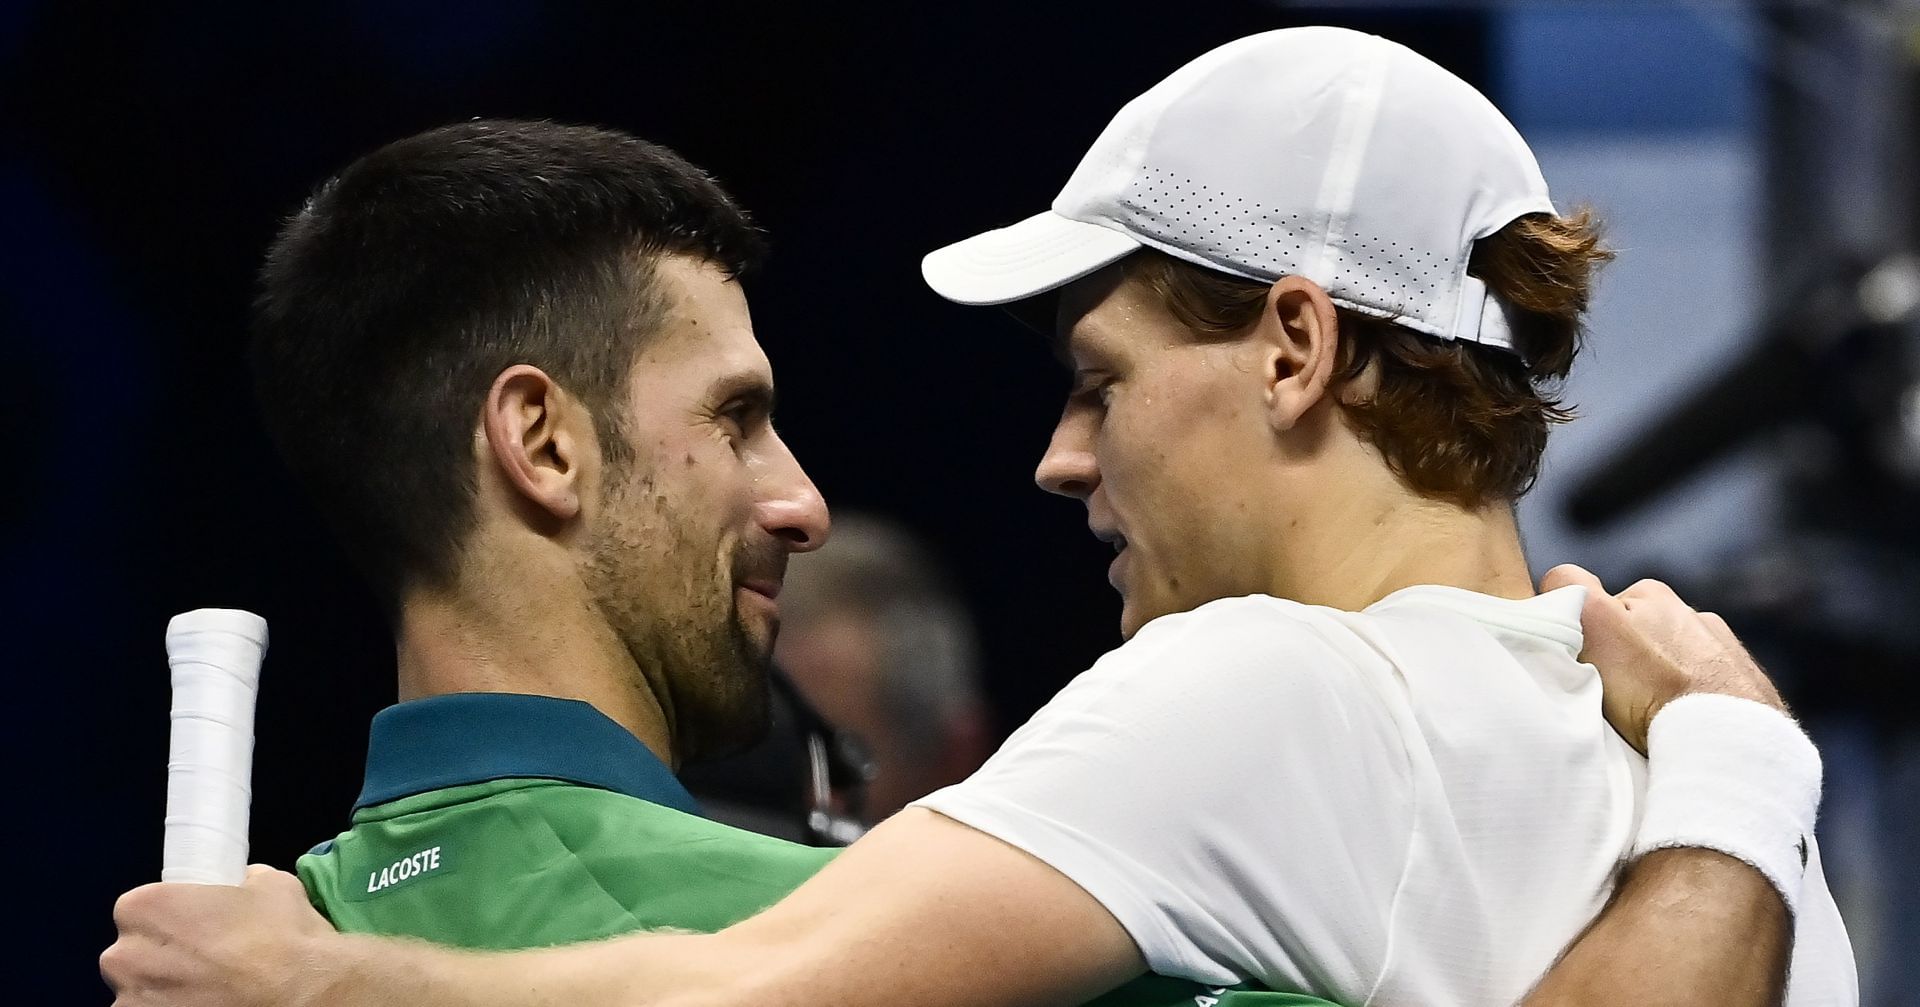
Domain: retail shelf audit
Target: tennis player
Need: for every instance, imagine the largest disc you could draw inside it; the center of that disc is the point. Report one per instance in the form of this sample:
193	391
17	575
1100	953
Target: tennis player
1396	802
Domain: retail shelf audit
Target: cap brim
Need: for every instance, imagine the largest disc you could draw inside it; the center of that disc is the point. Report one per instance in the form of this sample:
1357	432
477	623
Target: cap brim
1041	253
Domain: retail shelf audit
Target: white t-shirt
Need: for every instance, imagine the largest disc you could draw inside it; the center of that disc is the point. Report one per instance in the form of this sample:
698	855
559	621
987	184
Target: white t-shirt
1415	804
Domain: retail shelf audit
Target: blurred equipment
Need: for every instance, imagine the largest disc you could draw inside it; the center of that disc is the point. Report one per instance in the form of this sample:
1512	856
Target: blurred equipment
1839	362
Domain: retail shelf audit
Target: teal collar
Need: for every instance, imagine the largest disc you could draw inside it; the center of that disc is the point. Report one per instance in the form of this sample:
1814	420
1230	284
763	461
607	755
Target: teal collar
473	737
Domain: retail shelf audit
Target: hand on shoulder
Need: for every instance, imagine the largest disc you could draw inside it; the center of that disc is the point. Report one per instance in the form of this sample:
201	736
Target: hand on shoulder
1652	648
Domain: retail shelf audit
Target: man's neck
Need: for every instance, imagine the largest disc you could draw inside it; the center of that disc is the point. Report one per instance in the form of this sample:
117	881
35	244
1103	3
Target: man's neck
1370	545
461	643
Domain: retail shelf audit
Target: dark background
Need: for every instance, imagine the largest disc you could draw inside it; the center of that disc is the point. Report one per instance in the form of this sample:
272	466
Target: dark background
148	157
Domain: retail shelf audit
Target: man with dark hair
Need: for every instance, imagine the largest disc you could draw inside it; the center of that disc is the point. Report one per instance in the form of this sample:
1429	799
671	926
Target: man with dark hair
512	363
1382	802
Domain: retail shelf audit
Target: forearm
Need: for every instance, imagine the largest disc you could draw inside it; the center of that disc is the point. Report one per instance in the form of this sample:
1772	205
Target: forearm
1687	926
991	926
876	928
633	971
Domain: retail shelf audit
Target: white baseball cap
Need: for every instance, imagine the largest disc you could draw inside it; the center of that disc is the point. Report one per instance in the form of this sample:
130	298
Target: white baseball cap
1319	152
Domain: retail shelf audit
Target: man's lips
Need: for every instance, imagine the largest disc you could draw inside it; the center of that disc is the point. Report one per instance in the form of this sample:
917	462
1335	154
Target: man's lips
766	587
1112	537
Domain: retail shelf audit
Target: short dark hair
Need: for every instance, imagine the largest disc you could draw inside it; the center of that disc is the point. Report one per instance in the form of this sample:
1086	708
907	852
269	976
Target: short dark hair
408	282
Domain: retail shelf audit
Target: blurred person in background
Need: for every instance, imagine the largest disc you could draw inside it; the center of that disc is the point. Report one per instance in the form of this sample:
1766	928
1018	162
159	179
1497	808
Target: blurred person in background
876	638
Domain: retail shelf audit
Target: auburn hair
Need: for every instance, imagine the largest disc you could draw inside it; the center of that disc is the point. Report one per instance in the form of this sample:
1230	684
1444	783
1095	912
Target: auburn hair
1457	421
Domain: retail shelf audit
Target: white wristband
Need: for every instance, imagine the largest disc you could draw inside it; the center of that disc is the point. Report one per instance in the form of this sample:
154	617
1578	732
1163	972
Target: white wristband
1735	776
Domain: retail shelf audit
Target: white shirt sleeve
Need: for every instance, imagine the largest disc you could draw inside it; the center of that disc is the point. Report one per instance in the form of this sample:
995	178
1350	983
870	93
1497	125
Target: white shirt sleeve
1230	786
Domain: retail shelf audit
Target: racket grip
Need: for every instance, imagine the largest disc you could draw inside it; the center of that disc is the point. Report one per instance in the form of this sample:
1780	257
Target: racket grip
215	656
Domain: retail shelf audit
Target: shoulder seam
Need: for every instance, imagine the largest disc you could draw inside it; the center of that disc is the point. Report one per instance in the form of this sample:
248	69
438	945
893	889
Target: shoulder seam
523	810
1406	862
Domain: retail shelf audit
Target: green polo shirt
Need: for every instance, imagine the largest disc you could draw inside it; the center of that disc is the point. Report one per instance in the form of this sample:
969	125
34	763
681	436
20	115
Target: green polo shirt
495	821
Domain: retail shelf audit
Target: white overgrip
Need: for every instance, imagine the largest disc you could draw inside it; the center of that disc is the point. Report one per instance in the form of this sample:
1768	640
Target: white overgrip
215	656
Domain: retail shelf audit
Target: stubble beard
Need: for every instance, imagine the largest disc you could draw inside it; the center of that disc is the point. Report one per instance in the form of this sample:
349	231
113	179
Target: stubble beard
652	578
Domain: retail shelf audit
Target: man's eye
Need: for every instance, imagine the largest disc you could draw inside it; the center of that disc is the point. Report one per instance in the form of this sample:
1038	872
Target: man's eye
1095	391
739	420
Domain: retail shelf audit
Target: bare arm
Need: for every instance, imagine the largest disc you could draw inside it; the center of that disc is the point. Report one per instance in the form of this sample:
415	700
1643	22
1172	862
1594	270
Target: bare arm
1686	926
922	911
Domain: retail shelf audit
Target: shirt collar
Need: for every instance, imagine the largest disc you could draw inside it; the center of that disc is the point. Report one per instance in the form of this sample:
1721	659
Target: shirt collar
473	737
1553	616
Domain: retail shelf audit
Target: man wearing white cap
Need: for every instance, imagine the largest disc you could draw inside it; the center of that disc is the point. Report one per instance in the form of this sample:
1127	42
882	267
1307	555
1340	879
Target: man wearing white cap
1310	286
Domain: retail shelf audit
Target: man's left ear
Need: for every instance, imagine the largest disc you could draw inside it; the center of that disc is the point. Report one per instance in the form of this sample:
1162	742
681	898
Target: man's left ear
1302	344
529	430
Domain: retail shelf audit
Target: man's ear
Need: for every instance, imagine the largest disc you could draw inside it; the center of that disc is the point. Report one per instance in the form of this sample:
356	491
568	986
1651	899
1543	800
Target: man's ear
535	436
1301	336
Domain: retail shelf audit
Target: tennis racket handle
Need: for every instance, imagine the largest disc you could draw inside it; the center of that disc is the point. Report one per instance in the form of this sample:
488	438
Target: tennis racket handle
215	657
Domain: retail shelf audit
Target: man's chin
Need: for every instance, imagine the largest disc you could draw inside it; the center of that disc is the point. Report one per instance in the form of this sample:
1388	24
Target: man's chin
1137	611
739	722
755	638
732	711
